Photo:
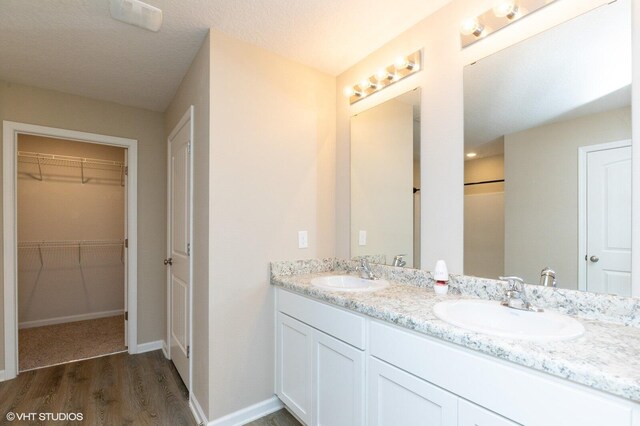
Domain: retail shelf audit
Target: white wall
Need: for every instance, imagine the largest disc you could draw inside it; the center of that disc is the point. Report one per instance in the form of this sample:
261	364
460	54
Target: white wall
442	115
272	174
194	90
69	281
55	109
382	181
541	193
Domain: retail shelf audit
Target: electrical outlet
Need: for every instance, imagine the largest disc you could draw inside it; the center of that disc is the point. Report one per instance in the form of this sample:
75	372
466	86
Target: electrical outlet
362	238
303	239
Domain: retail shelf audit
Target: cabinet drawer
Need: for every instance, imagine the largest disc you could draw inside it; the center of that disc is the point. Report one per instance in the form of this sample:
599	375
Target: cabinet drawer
471	415
515	392
349	328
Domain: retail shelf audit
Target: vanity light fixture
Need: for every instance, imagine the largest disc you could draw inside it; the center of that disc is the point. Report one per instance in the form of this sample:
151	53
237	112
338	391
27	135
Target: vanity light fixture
471	155
504	13
403	67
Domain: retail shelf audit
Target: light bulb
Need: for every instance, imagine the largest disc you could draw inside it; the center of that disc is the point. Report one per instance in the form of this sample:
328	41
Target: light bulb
383	74
506	9
401	63
471	26
348	92
365	84
471	155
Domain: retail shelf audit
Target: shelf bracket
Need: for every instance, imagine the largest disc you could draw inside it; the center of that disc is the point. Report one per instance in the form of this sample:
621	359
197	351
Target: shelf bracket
39	169
40	253
82	171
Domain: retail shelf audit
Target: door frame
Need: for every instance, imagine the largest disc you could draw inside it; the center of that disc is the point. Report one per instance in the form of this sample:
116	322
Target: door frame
11	130
188	116
583	151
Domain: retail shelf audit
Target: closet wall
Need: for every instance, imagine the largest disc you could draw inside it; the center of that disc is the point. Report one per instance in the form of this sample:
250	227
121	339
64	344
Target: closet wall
70	233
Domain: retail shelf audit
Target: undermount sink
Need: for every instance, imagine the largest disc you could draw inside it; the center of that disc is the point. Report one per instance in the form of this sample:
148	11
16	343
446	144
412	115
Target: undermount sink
348	283
490	317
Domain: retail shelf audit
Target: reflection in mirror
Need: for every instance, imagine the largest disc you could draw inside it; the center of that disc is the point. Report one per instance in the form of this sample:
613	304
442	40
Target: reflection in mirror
548	156
385	181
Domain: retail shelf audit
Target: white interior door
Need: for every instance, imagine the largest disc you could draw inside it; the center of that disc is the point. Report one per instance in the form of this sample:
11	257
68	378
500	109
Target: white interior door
179	243
608	203
125	248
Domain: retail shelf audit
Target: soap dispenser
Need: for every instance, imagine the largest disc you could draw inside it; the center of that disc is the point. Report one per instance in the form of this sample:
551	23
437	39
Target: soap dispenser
441	276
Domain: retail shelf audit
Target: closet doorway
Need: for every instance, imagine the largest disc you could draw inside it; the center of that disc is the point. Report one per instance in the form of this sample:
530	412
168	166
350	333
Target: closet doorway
69	257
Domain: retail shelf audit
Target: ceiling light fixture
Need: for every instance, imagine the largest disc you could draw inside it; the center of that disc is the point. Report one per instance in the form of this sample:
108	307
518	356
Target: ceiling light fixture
403	67
471	155
137	13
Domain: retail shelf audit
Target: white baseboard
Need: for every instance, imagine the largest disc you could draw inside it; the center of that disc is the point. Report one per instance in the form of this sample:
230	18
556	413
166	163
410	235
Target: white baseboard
70	318
250	413
196	410
150	346
2	379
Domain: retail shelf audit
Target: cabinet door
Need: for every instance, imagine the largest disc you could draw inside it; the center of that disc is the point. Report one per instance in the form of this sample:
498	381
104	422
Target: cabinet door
399	398
338	382
472	415
294	365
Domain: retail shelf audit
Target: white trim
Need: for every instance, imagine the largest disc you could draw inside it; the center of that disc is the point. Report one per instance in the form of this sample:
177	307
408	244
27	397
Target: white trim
582	206
196	410
188	116
151	346
9	190
635	150
2	377
250	413
165	350
70	318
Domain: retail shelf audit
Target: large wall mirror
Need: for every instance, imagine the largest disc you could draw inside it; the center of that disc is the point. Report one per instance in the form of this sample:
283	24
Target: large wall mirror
548	156
385	181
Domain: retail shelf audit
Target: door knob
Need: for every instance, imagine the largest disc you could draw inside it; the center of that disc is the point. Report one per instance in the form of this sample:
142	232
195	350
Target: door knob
168	261
594	259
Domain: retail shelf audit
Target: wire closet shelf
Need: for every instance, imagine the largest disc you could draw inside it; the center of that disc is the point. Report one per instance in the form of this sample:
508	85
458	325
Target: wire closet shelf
43	159
71	244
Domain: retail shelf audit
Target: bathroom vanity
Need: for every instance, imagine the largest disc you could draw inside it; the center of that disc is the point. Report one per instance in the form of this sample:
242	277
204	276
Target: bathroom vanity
383	358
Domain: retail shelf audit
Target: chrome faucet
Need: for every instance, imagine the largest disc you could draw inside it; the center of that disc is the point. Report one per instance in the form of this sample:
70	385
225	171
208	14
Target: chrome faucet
399	261
365	270
516	297
548	277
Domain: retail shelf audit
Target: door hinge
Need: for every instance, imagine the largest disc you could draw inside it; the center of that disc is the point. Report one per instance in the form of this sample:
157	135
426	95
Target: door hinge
126	170
126	316
126	243
188	351
188	249
189	148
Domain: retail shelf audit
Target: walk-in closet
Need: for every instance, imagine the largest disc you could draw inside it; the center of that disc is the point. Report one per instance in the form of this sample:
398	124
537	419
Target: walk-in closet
71	250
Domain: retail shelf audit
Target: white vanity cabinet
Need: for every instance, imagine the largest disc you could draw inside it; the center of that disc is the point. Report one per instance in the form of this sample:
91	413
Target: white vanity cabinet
319	377
334	365
395	397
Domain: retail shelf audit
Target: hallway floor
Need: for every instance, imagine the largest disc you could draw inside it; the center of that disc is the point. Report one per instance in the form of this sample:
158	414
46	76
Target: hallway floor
73	341
119	389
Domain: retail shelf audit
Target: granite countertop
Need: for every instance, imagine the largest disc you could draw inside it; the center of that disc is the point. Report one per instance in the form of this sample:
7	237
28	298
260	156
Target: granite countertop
606	357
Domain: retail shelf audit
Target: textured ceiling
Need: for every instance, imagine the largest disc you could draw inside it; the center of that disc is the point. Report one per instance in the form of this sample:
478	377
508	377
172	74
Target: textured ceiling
580	67
74	46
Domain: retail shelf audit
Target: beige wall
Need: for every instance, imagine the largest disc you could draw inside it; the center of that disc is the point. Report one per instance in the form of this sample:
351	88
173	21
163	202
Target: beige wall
541	193
54	109
442	114
194	90
484	217
382	181
272	174
67	281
